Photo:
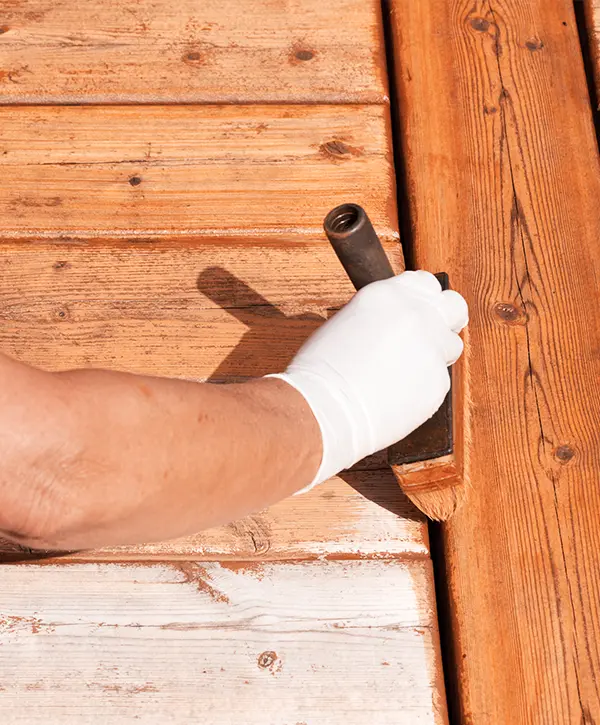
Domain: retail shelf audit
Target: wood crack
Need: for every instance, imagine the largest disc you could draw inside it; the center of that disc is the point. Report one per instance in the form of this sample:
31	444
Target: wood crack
516	216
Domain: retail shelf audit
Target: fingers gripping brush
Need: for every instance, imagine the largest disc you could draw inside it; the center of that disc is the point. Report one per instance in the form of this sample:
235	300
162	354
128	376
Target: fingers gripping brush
424	462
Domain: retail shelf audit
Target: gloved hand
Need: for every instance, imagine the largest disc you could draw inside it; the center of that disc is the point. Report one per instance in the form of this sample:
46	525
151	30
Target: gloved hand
378	368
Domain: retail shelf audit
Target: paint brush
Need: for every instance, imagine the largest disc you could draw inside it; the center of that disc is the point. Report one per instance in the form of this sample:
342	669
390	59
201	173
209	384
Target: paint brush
424	462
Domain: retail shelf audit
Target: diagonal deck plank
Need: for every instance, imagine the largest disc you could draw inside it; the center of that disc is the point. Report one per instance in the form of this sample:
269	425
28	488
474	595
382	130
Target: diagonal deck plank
504	182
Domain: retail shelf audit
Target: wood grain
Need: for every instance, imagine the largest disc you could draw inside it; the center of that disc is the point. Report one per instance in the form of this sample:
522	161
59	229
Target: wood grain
503	183
213	309
180	171
357	514
592	18
107	51
320	643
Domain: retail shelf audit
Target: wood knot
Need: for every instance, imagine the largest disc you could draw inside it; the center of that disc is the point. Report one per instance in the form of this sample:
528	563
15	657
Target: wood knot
510	314
534	44
135	180
338	149
481	25
4	29
267	659
564	453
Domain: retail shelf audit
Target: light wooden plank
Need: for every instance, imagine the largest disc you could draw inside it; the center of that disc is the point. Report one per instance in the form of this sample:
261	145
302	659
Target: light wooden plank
212	310
592	18
320	644
107	51
245	171
360	513
504	182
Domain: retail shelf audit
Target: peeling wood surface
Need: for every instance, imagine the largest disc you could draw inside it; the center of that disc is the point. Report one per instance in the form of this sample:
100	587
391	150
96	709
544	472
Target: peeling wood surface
211	309
150	51
358	514
592	18
504	183
245	171
319	644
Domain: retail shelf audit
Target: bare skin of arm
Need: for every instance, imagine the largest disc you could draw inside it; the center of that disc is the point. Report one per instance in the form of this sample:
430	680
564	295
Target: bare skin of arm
91	458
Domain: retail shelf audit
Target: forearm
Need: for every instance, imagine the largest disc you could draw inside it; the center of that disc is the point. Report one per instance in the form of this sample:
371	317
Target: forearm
123	458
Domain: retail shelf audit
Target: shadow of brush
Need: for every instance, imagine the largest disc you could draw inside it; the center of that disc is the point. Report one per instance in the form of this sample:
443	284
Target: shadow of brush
272	338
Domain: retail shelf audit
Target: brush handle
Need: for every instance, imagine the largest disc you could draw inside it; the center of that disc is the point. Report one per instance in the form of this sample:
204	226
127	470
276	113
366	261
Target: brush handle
362	255
357	245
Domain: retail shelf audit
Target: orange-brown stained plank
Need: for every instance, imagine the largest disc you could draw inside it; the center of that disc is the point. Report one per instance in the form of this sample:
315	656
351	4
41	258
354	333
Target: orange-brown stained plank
208	51
592	18
358	514
210	309
174	171
503	183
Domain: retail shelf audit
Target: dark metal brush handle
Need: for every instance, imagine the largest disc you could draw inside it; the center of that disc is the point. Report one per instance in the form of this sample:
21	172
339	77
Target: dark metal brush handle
357	246
362	255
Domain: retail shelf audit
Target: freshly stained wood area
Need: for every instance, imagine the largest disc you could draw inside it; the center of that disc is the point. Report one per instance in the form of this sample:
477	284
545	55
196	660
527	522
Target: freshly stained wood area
155	226
154	51
246	171
269	644
504	183
592	16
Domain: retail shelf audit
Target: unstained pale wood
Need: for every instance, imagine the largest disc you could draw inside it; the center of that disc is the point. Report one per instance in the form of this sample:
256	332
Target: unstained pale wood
320	644
208	51
181	171
592	16
357	514
503	185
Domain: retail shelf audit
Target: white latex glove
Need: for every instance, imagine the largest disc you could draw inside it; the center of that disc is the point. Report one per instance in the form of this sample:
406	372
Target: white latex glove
378	368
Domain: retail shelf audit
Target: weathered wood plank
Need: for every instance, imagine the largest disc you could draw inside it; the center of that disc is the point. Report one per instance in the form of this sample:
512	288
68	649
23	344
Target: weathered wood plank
245	171
592	17
325	643
214	309
148	51
360	513
504	182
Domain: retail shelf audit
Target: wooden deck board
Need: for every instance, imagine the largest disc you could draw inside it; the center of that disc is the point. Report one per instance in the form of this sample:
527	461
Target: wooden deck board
504	182
181	171
315	643
149	51
212	309
186	240
357	514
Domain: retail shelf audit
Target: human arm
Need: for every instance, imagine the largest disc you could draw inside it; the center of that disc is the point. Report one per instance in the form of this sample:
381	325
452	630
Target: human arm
92	458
